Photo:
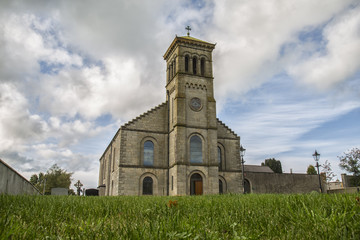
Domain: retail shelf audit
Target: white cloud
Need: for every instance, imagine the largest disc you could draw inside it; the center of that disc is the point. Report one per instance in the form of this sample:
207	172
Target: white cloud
24	46
341	59
250	35
17	125
280	125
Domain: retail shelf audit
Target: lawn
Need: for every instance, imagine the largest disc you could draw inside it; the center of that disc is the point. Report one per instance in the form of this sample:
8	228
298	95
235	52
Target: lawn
306	216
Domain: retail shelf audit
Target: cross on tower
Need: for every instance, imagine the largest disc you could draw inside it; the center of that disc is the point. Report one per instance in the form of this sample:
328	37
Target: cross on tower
188	29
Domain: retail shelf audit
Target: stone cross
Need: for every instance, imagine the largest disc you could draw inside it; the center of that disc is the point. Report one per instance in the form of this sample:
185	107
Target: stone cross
188	29
78	185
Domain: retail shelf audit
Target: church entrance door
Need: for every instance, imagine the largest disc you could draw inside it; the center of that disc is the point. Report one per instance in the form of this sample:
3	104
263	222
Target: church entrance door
196	184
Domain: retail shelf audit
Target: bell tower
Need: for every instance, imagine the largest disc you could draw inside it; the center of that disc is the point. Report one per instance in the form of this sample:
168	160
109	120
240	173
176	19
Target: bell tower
193	166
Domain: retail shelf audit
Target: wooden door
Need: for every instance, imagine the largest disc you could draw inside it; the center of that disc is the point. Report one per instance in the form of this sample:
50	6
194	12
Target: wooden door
198	188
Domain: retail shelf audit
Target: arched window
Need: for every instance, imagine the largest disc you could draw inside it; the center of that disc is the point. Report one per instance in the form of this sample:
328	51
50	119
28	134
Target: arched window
148	153
194	65
221	191
147	186
202	66
195	149
219	159
186	63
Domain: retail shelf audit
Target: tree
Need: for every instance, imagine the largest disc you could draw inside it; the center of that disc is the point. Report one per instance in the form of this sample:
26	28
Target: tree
311	170
38	181
351	163
54	177
274	164
326	168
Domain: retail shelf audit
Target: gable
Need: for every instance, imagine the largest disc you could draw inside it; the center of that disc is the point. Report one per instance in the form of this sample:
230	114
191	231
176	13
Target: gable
154	120
224	131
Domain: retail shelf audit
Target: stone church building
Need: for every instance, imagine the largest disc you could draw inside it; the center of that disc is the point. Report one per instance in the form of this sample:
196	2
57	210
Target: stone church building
178	147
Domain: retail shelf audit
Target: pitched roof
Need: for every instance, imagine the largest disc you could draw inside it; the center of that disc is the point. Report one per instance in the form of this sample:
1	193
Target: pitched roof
257	168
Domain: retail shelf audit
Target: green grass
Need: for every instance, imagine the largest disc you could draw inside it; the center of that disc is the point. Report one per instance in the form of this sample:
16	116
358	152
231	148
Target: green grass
310	216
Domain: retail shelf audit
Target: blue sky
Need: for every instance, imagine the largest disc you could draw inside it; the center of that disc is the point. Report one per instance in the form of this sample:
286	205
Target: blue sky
287	76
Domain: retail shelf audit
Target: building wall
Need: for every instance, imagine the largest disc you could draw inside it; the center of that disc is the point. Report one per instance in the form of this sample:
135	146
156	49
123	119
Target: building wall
13	183
231	181
347	180
131	179
121	165
283	183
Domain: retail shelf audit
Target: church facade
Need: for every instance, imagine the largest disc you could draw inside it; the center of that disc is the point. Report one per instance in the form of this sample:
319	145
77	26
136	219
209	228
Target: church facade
178	147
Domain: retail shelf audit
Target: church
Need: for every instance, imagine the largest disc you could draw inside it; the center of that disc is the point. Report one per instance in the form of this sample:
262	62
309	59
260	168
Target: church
179	147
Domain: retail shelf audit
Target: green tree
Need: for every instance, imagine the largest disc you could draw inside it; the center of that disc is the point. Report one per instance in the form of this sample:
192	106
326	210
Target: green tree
311	170
350	162
274	164
38	180
54	177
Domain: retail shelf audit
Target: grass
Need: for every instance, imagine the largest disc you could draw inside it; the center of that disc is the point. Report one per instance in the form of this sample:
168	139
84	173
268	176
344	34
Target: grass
308	216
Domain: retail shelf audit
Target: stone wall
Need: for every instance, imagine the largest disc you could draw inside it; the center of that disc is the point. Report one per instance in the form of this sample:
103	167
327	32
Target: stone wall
231	182
347	180
131	180
13	183
345	190
283	183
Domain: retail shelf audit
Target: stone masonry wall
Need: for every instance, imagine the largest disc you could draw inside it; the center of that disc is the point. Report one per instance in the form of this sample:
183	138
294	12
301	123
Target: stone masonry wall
130	180
282	182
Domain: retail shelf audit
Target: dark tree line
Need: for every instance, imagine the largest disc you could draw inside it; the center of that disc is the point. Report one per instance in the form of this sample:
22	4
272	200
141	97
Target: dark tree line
274	164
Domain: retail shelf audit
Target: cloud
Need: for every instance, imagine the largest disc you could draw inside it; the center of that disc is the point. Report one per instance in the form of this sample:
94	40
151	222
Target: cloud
22	163
95	90
281	123
251	34
27	40
341	58
17	124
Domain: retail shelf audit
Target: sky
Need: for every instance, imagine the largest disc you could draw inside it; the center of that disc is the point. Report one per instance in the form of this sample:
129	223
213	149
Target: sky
286	76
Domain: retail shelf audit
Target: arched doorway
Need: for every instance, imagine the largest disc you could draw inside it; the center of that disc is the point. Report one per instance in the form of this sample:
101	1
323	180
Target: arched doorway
247	186
196	184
